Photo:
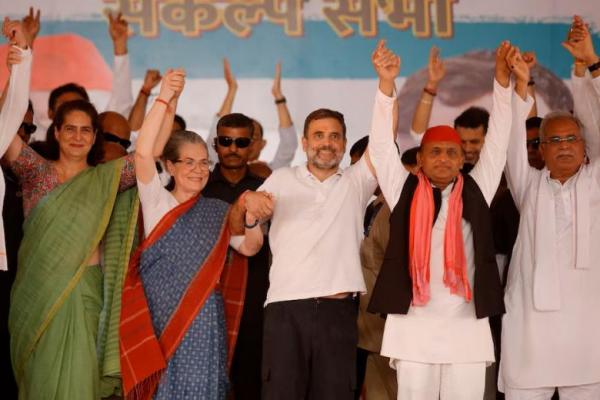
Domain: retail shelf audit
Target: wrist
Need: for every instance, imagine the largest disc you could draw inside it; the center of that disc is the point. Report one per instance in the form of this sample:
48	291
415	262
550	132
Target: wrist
250	221
120	49
145	91
280	100
591	60
432	86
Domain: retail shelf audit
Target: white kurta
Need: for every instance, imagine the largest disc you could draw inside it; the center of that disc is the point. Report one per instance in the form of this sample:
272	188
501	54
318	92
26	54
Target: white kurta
11	117
559	347
446	330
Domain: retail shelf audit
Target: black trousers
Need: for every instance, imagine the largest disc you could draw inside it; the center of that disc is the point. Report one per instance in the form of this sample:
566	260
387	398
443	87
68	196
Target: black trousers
309	349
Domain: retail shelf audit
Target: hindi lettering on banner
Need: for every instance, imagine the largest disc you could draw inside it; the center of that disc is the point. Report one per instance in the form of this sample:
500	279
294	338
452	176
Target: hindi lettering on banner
189	17
400	14
192	17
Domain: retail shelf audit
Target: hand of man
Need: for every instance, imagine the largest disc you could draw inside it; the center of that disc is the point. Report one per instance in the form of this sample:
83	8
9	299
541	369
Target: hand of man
502	70
579	42
13	31
259	204
387	66
151	79
228	75
118	28
530	59
13	57
520	70
436	69
276	89
31	26
172	84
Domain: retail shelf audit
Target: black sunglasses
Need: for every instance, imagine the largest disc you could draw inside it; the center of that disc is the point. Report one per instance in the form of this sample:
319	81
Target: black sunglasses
111	137
240	142
535	143
28	128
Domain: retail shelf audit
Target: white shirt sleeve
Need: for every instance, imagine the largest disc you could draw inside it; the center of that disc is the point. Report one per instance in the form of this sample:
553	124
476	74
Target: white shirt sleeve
156	202
15	103
121	98
288	143
488	170
518	171
391	174
363	179
586	98
210	140
416	136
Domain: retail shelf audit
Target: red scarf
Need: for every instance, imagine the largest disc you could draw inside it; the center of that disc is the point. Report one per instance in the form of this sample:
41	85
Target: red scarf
421	223
144	356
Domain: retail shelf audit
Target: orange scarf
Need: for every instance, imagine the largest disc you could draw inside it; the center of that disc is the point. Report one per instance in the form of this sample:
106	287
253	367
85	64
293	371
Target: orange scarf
421	223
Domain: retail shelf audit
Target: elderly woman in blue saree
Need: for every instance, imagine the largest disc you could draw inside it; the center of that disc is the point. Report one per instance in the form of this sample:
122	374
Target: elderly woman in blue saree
173	321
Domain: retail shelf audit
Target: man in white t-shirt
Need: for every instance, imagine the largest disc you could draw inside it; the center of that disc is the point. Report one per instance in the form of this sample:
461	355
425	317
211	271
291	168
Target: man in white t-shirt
310	332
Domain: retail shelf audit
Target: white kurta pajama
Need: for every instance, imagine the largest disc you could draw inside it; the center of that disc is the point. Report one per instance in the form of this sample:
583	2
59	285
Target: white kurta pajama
438	348
551	329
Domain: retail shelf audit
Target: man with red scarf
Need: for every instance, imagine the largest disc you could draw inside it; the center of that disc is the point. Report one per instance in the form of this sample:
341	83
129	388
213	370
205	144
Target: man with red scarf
439	281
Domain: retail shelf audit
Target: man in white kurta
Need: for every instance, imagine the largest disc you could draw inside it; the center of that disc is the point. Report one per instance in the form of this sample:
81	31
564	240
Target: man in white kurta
441	349
551	330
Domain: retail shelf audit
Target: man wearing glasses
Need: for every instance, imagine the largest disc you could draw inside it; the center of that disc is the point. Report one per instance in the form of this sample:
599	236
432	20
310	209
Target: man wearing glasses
228	180
117	133
551	329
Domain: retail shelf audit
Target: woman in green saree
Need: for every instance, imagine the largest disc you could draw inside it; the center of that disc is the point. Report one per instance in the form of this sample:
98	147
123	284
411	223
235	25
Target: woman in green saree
57	296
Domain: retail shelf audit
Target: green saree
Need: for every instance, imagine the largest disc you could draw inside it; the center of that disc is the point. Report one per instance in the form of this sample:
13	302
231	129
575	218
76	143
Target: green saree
57	298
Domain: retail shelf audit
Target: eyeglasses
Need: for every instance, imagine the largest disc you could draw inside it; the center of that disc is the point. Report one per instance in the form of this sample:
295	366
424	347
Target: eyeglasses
241	142
111	137
555	140
535	143
28	128
190	163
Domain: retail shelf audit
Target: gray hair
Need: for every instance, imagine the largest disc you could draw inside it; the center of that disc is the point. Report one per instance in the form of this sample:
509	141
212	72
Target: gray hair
554	115
177	139
470	76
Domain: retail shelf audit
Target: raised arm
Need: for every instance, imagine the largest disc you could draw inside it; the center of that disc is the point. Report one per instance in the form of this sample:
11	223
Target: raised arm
172	85
585	86
288	138
488	170
382	152
17	92
531	60
136	116
121	99
31	26
518	171
436	72
225	109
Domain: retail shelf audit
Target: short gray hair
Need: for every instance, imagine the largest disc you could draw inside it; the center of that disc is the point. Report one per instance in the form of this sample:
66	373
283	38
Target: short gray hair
554	115
171	150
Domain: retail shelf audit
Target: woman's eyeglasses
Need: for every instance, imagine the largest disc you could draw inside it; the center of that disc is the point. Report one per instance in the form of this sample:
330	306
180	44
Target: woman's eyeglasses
190	163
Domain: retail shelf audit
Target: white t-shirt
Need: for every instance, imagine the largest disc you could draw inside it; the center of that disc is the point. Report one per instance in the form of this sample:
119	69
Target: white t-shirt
316	230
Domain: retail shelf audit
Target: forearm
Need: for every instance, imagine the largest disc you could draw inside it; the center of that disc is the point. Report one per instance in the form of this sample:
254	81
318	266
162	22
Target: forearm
121	98
531	92
227	104
422	114
285	119
165	129
286	150
587	109
382	151
138	111
488	170
150	131
253	241
15	104
517	165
